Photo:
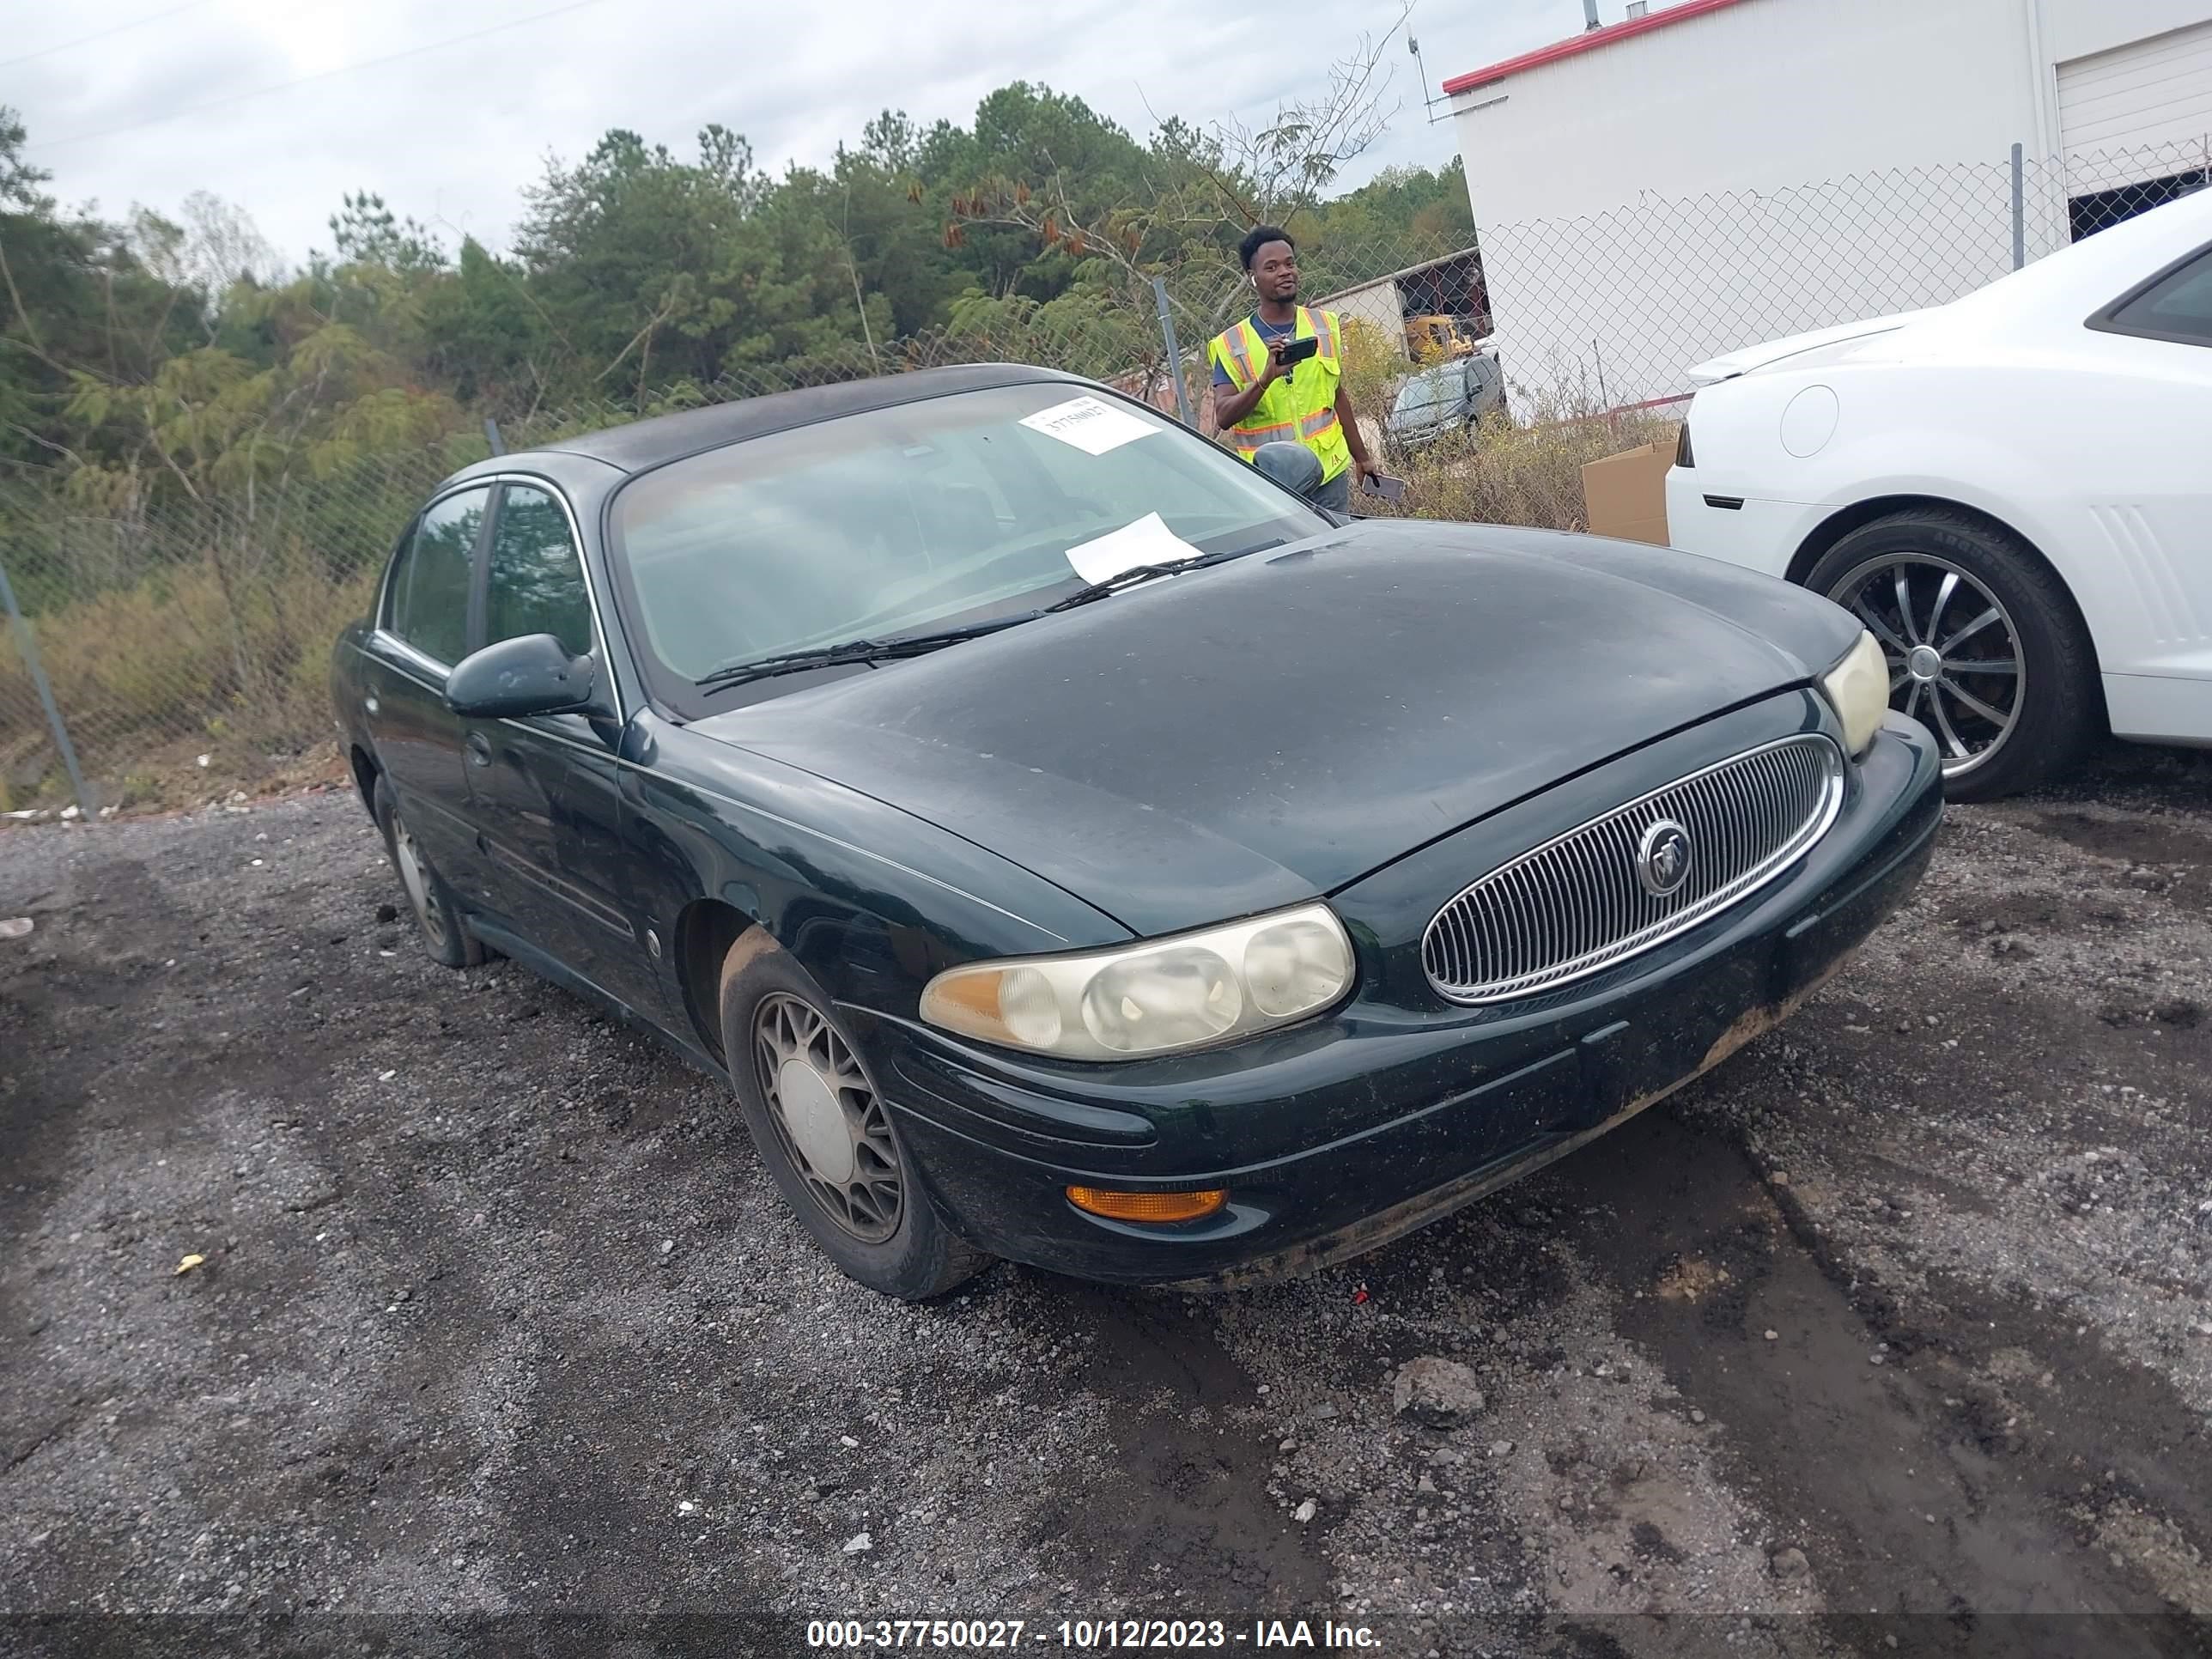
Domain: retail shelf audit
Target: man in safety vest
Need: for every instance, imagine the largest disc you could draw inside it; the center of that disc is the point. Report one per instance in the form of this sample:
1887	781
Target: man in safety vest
1260	400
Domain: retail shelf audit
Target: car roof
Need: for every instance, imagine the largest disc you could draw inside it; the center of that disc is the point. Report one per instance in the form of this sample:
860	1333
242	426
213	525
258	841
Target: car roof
2062	290
642	444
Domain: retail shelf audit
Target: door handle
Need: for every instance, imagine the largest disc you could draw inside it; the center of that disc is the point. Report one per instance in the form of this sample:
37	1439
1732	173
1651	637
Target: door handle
369	702
479	748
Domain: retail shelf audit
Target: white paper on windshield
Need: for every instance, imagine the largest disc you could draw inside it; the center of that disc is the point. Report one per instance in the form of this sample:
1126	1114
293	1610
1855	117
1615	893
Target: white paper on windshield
1148	541
1090	424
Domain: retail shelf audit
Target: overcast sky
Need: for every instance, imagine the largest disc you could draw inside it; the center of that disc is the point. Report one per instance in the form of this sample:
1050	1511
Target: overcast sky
452	130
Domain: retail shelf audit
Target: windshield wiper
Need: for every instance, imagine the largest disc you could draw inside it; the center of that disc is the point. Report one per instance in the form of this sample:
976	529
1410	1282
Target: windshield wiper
851	651
915	645
1144	573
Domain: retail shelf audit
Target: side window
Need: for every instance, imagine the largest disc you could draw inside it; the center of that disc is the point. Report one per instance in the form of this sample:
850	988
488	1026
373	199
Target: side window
2176	307
430	589
536	583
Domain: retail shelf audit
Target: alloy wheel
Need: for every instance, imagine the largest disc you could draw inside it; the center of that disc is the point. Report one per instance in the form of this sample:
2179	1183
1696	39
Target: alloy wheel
829	1118
1953	651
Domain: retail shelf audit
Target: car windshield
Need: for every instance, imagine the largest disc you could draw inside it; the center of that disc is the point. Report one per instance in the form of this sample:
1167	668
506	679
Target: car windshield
1423	392
920	516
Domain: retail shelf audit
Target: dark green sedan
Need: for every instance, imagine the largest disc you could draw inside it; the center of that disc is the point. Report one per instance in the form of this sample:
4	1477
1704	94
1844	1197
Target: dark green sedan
1073	848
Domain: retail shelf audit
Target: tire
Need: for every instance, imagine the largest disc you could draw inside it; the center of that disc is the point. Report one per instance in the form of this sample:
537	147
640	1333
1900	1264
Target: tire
2002	729
444	935
842	1168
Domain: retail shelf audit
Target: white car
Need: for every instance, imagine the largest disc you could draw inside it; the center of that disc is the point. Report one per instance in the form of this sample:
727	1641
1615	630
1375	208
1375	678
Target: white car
2012	491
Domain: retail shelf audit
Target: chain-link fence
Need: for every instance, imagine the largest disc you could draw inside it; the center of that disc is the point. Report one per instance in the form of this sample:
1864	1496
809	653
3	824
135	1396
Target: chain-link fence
1619	304
183	631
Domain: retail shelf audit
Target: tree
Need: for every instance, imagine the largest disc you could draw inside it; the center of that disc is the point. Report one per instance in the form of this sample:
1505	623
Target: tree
365	233
1286	164
656	271
75	300
214	248
487	331
1182	205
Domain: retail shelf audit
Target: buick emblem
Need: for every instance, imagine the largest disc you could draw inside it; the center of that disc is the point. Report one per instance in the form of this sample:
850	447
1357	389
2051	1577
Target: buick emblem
1663	858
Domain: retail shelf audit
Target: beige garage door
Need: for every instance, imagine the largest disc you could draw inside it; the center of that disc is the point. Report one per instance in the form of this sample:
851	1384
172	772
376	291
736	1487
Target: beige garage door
2139	111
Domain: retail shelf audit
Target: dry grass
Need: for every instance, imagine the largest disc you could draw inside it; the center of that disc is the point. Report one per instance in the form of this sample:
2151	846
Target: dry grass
1503	474
151	676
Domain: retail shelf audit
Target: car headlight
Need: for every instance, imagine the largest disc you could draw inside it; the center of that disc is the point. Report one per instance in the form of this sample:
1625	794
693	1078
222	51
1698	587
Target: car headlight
1858	686
1155	997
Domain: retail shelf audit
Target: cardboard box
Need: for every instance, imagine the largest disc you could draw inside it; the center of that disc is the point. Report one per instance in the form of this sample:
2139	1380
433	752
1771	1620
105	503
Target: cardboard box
1626	494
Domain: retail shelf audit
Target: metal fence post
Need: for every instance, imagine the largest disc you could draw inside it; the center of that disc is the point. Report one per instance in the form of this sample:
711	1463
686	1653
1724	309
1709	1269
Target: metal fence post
30	649
2019	207
1175	351
492	436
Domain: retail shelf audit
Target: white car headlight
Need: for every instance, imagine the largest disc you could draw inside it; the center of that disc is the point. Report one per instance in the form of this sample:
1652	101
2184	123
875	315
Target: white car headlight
1154	997
1858	686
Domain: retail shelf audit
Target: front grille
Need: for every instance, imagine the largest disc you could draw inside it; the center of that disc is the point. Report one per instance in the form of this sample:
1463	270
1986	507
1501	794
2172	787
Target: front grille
1578	905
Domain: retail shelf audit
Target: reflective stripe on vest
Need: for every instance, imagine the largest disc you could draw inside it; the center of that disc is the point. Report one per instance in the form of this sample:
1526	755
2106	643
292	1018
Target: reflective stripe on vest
1240	355
1306	429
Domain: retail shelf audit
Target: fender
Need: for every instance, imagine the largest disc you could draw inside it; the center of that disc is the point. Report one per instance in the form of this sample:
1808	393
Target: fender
1970	471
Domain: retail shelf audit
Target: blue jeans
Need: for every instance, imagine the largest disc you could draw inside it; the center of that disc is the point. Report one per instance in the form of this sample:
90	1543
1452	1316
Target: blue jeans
1294	466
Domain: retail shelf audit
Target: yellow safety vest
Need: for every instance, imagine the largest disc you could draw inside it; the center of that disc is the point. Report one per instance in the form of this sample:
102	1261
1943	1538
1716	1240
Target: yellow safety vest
1302	405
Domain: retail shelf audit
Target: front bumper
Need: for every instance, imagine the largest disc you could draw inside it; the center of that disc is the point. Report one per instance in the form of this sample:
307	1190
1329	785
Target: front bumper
1411	440
1338	1136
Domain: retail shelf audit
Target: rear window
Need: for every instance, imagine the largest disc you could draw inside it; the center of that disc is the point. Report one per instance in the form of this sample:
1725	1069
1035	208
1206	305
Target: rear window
2176	306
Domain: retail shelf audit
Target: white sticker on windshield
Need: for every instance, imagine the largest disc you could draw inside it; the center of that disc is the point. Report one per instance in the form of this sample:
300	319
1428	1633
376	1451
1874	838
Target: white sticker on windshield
1090	424
1148	541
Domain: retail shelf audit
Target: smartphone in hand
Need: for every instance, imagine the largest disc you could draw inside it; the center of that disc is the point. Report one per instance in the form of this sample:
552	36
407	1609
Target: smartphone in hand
1382	485
1298	351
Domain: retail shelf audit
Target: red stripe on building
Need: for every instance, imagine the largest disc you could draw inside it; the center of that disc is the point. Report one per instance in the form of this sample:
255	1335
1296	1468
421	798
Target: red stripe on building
1588	41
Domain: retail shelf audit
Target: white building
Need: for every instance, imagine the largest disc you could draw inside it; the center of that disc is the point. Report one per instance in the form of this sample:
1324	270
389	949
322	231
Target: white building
1651	193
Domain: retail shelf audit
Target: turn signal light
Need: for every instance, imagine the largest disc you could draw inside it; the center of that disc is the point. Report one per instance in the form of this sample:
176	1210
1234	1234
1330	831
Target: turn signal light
1146	1206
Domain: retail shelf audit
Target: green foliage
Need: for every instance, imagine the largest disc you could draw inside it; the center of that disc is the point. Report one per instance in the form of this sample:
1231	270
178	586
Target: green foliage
165	360
75	299
365	233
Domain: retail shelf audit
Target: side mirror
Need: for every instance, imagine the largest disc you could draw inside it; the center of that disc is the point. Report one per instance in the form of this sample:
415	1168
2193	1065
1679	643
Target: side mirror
532	675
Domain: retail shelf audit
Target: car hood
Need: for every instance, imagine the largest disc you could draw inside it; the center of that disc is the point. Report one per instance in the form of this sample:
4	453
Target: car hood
1259	733
1436	417
1784	353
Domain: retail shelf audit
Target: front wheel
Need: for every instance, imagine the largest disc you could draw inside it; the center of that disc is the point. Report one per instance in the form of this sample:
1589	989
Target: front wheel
1985	645
826	1134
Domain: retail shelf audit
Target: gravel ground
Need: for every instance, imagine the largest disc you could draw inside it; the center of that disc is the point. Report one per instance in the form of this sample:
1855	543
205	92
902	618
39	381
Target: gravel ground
1894	1333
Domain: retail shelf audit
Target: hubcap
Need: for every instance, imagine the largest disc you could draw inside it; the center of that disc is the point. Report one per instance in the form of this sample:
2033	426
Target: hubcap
1955	654
817	1121
415	876
828	1118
